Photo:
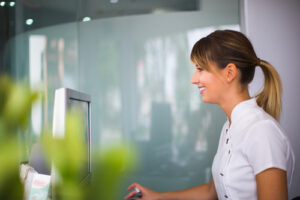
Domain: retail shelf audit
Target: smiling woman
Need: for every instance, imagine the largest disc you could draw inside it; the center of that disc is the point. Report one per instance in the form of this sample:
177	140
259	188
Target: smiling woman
225	62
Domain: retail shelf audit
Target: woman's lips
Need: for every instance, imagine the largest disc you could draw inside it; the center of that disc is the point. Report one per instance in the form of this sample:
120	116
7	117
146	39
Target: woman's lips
202	89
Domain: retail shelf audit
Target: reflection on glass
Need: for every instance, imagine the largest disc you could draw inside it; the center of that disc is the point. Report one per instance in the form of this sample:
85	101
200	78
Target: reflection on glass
37	48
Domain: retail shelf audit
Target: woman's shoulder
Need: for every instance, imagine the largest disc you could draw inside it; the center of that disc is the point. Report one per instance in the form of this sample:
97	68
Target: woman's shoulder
266	127
266	145
261	120
266	131
257	116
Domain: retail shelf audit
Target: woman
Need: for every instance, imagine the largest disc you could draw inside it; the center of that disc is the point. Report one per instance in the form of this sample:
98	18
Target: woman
254	159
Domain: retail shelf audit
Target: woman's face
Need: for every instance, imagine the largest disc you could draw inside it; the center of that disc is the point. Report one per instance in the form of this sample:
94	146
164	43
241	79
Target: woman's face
211	83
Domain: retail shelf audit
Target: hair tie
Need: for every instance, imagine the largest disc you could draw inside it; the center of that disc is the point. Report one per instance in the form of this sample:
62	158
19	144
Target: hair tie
258	61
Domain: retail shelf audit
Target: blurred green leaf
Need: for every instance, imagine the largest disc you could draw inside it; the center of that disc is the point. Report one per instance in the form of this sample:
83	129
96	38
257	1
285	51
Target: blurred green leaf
67	154
15	106
111	166
9	157
18	105
5	88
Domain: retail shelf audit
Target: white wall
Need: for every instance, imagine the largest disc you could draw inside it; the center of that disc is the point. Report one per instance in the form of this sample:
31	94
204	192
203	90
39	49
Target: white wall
273	26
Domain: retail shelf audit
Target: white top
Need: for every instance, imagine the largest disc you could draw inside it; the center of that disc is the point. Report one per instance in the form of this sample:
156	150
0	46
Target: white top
252	143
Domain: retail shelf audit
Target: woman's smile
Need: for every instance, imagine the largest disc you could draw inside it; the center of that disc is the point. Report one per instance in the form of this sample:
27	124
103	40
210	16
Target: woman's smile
202	89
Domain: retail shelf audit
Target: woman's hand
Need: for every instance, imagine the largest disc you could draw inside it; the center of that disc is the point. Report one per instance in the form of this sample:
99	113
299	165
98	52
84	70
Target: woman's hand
147	194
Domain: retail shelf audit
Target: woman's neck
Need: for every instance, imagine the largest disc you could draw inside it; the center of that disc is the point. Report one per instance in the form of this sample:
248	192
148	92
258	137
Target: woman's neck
231	100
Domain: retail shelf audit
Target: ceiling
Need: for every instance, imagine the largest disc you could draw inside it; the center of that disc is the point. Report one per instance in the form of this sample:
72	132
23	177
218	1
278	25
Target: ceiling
52	12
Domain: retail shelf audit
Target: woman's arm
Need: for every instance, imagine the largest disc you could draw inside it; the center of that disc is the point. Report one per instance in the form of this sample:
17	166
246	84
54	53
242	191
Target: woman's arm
202	192
272	184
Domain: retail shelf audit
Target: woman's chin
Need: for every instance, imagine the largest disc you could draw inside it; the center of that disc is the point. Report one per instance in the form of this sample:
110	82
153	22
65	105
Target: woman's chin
206	100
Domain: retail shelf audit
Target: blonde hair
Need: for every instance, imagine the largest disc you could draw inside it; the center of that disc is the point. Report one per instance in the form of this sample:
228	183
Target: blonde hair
270	97
226	46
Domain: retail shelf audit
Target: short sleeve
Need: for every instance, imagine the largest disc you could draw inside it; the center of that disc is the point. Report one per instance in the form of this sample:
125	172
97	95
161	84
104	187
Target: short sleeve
266	147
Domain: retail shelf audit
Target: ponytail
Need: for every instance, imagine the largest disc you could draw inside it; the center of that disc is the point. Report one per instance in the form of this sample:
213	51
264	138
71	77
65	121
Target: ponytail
270	97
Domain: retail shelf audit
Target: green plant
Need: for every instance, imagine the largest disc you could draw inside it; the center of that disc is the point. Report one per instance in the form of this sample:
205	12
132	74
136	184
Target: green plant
66	154
15	106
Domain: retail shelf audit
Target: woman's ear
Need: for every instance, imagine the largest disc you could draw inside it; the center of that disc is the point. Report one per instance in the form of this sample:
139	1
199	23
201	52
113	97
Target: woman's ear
231	72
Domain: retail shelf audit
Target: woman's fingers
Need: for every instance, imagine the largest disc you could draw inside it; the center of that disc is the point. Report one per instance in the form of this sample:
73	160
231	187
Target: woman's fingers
133	186
132	193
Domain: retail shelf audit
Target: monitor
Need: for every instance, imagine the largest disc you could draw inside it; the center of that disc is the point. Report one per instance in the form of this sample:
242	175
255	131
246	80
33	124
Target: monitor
66	99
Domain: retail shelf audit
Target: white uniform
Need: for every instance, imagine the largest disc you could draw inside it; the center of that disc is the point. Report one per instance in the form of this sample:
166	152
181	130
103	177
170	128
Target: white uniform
252	143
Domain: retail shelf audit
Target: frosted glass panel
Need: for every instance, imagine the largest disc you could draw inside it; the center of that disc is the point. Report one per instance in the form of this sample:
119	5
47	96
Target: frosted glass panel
138	71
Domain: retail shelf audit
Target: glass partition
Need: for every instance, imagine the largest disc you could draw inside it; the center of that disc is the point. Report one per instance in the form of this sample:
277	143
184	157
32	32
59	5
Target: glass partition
135	65
142	93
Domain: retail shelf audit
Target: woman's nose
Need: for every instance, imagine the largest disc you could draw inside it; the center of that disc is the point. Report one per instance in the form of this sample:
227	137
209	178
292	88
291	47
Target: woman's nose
195	78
